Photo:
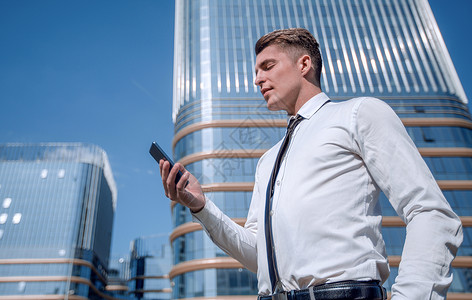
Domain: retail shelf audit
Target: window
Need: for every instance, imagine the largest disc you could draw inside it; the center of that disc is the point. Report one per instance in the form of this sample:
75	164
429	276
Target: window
21	286
6	202
61	173
44	173
16	218
428	134
3	218
419	109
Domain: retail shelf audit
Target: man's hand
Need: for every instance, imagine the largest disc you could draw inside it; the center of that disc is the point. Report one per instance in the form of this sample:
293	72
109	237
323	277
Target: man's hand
190	196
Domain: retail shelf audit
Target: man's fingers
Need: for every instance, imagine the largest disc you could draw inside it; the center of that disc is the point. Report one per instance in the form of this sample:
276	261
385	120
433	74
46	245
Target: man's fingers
161	167
171	180
164	169
178	192
183	182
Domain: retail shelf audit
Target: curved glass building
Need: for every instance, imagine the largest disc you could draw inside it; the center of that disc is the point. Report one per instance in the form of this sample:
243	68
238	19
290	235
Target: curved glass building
56	216
389	49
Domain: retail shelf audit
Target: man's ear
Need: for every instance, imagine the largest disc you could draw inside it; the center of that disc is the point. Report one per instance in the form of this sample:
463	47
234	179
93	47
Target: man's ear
305	64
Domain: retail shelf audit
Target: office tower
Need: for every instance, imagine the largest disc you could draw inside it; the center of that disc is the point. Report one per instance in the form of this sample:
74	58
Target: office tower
389	49
56	217
150	264
118	276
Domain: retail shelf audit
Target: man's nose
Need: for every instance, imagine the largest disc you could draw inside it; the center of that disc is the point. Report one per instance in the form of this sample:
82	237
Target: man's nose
259	79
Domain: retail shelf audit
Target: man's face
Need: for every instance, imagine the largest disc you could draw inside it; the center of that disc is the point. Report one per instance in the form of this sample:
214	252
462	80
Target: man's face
279	78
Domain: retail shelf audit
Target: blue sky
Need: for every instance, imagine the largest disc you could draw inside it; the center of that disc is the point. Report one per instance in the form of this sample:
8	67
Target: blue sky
101	72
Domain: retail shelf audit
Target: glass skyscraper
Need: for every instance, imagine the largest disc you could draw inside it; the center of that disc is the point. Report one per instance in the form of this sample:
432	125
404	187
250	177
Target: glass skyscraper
56	217
150	264
389	49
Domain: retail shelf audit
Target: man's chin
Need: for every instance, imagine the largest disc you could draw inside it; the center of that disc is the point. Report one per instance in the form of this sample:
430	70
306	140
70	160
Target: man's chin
273	107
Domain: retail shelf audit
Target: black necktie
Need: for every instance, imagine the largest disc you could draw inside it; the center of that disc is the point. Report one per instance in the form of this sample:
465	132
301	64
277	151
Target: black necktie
273	273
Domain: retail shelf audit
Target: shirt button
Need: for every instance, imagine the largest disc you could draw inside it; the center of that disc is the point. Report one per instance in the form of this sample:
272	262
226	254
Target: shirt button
271	212
278	182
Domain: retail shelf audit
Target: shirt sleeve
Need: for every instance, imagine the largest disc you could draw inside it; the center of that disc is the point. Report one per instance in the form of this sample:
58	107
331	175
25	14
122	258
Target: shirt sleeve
434	231
237	241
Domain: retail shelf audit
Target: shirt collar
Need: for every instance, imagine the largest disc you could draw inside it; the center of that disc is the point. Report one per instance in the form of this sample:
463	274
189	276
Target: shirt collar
313	105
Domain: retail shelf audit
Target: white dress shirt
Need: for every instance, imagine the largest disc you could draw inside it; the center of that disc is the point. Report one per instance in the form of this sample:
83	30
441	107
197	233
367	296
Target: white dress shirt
326	217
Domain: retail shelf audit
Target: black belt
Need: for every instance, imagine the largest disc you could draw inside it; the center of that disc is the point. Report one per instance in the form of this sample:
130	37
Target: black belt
345	290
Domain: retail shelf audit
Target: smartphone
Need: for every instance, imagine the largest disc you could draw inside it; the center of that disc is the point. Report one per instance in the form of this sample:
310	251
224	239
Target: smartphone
157	153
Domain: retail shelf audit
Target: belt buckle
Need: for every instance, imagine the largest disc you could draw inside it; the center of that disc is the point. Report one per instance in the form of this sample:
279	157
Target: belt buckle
280	296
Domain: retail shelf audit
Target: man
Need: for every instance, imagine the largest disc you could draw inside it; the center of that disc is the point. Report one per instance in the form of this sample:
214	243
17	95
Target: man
313	229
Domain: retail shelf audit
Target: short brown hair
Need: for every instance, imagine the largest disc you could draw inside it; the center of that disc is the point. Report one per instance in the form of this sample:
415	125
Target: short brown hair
297	41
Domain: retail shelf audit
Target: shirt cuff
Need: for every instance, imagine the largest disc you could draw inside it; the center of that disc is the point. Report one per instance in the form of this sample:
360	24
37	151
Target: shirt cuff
208	215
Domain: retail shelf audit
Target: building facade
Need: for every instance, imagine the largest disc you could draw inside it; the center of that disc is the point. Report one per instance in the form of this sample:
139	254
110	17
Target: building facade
56	217
150	263
389	49
118	276
144	272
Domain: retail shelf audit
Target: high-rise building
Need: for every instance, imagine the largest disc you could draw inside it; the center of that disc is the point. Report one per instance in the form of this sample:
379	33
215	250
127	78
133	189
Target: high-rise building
118	276
150	263
56	217
144	273
389	49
